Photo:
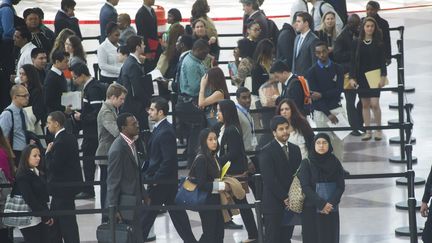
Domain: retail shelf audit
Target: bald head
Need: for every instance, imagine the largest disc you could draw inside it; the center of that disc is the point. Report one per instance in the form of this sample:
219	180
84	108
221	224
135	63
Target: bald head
20	95
353	21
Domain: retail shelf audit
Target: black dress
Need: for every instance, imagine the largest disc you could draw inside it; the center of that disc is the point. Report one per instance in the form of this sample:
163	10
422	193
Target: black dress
367	57
317	227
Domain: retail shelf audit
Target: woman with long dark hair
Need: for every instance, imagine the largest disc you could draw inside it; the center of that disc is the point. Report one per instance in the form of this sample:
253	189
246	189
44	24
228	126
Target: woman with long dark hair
322	181
170	57
74	47
369	56
206	172
263	57
36	113
31	185
212	90
301	133
232	149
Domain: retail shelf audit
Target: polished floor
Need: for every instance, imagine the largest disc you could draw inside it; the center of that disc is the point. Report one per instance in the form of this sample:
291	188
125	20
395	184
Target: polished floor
367	209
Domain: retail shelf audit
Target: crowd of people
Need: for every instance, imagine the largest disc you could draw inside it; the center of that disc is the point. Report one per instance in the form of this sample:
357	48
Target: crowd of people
300	71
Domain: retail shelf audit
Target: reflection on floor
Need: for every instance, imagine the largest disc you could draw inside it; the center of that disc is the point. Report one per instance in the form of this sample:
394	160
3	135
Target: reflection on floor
367	209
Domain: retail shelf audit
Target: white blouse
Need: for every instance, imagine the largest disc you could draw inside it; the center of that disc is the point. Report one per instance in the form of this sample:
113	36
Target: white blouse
298	139
107	59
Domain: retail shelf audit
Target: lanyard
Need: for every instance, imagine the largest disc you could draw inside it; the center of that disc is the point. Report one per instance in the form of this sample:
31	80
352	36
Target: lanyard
243	110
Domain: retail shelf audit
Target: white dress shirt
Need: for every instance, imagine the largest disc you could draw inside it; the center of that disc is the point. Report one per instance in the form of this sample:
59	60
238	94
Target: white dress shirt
25	58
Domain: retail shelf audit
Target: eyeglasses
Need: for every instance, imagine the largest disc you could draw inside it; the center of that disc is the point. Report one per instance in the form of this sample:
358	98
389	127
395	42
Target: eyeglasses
24	95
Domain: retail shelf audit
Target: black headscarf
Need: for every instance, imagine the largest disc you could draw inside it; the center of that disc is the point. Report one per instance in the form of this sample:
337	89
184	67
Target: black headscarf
327	163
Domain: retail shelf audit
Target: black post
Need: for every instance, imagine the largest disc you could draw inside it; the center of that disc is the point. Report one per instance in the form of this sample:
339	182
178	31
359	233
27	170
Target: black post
401	118
258	196
112	219
412	202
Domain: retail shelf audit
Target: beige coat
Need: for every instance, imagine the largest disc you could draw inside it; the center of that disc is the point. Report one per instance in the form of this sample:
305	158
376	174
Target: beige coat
227	198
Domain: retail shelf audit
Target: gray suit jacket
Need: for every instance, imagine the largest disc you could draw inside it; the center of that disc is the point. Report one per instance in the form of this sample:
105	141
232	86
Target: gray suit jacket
123	173
246	129
107	130
306	56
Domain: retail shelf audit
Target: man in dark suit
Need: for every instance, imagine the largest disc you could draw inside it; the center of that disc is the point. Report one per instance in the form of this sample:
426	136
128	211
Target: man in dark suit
343	49
146	25
107	14
163	166
252	13
55	83
93	96
279	161
65	18
124	177
372	8
285	44
291	87
304	45
63	165
139	86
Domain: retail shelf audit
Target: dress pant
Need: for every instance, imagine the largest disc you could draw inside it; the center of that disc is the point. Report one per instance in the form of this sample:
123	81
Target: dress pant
248	219
165	194
103	186
36	234
427	231
192	141
64	227
89	147
212	222
355	117
17	157
274	230
6	235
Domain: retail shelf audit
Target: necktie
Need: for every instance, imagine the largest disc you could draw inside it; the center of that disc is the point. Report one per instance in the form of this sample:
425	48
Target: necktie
299	44
285	149
23	120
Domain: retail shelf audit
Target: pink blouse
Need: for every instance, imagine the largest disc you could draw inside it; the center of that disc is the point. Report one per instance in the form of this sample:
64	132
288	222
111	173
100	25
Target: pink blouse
4	165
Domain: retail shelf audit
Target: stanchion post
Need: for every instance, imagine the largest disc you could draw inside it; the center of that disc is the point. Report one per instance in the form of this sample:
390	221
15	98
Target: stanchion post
401	119
258	211
112	219
412	202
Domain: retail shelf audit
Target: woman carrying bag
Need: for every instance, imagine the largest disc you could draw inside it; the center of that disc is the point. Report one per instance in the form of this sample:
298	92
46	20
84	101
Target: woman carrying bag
31	185
322	181
205	172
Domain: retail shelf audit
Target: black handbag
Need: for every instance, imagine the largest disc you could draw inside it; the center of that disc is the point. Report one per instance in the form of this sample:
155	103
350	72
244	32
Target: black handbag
123	233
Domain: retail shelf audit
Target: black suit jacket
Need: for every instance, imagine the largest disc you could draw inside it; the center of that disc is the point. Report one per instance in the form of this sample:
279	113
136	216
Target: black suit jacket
306	56
62	21
162	152
293	91
232	149
63	165
140	89
146	25
343	47
277	172
33	189
285	44
93	97
54	86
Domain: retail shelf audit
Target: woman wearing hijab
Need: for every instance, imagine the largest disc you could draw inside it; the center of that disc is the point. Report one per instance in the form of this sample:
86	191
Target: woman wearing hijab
322	181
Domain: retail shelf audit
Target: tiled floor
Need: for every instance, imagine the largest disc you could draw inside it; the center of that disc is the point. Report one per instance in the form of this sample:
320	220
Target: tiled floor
367	210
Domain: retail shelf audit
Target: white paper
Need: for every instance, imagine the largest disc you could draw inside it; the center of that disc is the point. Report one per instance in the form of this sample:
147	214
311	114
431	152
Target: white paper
72	98
155	88
343	122
155	74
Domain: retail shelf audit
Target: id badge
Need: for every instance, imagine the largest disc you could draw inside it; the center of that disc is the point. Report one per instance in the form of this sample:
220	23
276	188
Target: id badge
254	141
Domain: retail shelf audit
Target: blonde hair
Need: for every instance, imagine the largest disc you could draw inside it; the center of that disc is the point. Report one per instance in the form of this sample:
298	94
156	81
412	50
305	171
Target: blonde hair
333	31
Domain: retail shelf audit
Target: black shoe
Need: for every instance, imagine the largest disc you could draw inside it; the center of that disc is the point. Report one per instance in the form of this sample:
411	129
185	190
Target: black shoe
346	173
84	195
150	239
232	225
356	133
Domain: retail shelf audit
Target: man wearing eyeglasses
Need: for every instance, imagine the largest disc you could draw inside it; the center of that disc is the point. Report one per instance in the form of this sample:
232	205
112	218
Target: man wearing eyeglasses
13	120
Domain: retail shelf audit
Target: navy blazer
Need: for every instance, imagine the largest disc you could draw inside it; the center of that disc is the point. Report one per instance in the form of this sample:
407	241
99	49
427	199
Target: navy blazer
277	173
293	91
63	165
62	21
162	151
54	86
306	56
107	14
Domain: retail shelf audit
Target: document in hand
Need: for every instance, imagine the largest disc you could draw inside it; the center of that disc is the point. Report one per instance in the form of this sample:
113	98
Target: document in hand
73	99
225	169
342	123
374	77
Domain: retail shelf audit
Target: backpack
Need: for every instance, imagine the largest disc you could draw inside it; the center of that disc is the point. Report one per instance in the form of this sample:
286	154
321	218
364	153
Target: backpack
273	31
339	7
307	101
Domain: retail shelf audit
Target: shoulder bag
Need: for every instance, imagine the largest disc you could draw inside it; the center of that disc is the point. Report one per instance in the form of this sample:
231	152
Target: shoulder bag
188	194
16	204
295	194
